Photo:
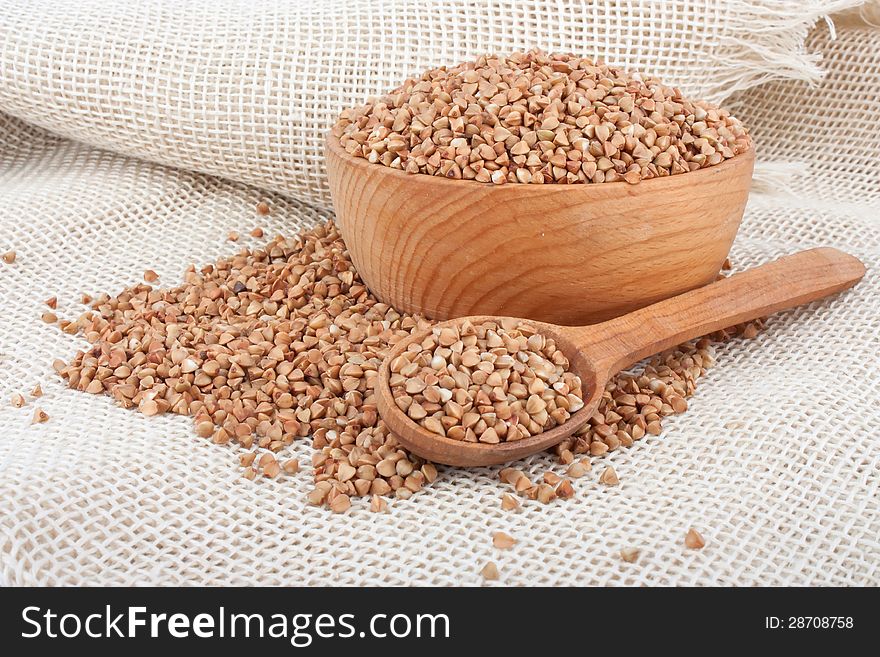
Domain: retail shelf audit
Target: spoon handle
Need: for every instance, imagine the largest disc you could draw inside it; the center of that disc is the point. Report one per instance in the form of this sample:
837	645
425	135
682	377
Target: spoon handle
787	282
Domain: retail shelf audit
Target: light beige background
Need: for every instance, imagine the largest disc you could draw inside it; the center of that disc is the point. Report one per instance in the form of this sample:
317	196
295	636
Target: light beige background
136	135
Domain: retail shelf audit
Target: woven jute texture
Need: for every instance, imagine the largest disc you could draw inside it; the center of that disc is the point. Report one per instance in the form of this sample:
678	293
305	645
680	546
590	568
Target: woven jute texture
246	89
135	136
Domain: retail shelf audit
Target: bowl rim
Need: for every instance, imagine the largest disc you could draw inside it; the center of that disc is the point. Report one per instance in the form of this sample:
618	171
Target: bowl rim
729	166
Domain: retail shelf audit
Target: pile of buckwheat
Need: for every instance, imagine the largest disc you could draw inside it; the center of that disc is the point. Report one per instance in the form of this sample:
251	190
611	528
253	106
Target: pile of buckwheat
278	343
540	118
487	383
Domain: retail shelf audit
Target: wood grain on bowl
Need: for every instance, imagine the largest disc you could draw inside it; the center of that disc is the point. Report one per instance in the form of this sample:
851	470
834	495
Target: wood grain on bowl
565	254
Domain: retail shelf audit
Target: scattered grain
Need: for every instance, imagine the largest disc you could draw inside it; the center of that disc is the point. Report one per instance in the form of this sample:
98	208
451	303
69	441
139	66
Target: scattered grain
523	484
503	541
693	539
37	391
40	416
232	236
429	470
609	477
750	331
150	276
17	400
378	504
341	503
565	490
257	232
509	502
545	493
629	554
510	475
318	494
52	302
282	342
262	348
552	478
148	406
9	257
205	428
490	571
262	208
633	405
49	318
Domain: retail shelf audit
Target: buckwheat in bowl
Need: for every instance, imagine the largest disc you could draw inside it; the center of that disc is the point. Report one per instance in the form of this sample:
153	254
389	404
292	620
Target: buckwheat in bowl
534	185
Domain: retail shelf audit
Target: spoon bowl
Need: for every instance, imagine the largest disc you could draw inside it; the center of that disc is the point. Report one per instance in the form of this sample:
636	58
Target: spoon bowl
441	449
598	351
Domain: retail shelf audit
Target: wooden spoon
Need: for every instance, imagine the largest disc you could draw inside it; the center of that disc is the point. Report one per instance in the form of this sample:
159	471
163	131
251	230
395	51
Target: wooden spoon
598	351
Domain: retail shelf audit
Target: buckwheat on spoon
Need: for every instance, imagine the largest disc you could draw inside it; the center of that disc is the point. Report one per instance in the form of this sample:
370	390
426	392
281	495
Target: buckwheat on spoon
488	383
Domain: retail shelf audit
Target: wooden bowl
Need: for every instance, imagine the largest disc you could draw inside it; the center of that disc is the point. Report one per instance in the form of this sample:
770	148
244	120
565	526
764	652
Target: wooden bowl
564	254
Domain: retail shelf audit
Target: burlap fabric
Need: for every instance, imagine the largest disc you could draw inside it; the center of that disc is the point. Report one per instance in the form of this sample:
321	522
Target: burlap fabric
135	136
